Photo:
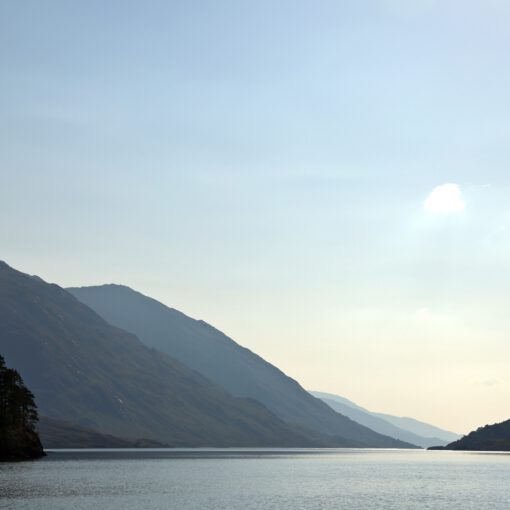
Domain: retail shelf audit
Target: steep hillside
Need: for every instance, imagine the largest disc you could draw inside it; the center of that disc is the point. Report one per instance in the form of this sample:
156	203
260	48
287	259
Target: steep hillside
60	434
83	370
216	356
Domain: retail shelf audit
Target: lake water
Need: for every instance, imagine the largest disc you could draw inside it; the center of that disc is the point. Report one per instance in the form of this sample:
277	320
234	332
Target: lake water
250	479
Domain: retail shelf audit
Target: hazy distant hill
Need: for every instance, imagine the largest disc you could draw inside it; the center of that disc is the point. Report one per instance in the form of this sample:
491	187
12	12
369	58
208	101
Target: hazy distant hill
220	359
83	370
381	426
489	438
419	427
394	426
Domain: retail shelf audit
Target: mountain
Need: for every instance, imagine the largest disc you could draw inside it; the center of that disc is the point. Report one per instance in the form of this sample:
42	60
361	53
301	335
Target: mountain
379	425
85	371
489	438
419	427
387	424
18	417
233	367
60	434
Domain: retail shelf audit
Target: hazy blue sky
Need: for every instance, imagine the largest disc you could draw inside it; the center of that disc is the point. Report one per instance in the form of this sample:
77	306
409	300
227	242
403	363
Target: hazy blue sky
263	165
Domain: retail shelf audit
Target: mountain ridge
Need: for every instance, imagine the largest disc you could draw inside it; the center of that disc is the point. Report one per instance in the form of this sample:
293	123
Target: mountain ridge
84	370
222	360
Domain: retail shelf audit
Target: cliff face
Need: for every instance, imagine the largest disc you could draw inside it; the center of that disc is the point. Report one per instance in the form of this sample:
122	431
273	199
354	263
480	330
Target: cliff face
18	417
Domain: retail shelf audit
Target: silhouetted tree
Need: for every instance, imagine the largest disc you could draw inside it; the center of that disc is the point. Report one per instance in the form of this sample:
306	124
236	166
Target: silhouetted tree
18	417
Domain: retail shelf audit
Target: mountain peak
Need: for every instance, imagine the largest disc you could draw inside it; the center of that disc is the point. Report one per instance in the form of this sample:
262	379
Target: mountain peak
105	286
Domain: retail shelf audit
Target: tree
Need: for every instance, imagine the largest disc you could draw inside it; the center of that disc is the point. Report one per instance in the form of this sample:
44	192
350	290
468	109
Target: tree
18	417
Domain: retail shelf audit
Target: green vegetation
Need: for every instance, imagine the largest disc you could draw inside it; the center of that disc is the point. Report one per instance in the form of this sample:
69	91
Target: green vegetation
18	417
489	438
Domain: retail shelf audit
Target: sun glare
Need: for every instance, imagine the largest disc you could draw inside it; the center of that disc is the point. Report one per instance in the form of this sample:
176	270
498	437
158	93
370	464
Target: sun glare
445	199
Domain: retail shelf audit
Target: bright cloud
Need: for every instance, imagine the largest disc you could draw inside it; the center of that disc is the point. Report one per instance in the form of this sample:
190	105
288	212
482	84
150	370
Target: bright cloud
446	198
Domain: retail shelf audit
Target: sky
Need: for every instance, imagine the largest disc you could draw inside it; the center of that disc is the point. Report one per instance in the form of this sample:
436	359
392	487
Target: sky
278	169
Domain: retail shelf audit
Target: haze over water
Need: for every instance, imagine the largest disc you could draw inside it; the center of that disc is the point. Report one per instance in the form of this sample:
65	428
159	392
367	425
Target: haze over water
252	479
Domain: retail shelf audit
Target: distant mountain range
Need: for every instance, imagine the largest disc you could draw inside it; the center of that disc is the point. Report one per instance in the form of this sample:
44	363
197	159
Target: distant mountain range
489	438
234	368
405	429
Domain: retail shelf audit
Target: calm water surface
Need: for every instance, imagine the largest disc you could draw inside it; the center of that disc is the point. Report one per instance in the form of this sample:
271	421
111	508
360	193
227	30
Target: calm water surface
257	479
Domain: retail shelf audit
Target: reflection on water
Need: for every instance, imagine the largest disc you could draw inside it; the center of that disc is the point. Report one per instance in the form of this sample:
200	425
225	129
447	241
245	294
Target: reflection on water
257	479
